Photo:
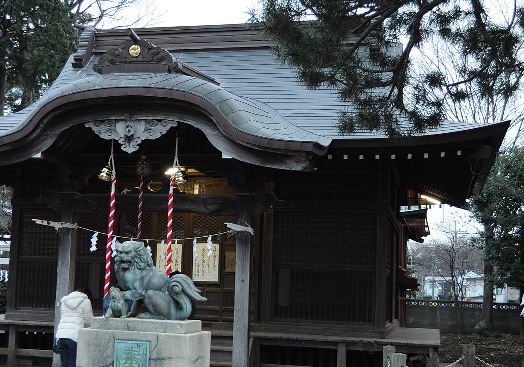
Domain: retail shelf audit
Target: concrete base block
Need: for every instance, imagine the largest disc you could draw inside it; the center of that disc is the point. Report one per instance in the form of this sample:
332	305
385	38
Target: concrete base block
169	343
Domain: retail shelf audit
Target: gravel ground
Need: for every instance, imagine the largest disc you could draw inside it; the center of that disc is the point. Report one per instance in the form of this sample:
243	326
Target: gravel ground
500	350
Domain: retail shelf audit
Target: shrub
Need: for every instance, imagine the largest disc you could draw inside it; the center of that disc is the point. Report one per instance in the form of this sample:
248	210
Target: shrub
481	328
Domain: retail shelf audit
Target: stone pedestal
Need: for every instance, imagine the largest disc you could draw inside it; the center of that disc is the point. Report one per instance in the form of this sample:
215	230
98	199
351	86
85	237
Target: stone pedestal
143	343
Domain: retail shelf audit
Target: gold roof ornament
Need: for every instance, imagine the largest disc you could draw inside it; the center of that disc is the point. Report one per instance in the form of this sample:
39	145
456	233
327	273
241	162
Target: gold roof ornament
134	50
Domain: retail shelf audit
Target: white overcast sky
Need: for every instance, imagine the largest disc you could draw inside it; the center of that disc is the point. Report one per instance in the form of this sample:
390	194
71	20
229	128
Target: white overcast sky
172	13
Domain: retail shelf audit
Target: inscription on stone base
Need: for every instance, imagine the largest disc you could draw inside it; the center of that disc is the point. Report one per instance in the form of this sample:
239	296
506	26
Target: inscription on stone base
131	353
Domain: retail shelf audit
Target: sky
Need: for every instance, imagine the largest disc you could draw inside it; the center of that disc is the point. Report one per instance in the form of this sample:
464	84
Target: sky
441	221
172	13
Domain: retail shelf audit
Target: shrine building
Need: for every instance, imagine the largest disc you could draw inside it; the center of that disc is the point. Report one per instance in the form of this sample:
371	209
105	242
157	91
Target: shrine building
322	280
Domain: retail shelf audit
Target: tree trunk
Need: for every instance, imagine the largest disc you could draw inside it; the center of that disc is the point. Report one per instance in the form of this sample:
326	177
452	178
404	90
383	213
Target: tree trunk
3	76
487	298
522	327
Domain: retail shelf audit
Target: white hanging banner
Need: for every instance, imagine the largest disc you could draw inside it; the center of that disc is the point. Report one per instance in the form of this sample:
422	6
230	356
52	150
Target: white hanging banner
209	245
113	247
94	239
176	256
206	264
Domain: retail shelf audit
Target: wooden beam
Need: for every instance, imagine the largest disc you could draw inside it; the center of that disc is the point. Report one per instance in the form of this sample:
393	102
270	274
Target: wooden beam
65	276
242	272
197	204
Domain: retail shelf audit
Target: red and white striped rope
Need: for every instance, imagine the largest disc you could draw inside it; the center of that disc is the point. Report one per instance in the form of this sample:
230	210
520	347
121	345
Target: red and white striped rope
112	207
169	234
140	207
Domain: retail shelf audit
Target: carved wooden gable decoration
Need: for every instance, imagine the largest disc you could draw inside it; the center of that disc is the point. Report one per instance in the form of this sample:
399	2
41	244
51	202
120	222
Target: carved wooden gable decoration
140	56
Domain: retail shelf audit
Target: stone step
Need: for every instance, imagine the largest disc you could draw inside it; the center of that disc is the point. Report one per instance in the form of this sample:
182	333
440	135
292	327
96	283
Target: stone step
221	354
221	340
221	350
220	364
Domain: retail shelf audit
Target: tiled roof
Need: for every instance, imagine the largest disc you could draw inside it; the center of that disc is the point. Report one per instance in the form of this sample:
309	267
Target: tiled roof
257	95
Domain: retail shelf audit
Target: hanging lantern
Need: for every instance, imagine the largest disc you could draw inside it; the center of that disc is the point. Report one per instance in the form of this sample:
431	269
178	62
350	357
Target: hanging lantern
171	171
176	171
106	173
181	177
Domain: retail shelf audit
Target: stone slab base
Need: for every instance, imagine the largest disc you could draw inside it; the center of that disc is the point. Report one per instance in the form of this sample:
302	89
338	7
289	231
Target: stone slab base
170	343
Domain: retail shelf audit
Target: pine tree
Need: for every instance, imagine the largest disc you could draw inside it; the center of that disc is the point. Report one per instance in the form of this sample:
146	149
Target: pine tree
351	46
36	37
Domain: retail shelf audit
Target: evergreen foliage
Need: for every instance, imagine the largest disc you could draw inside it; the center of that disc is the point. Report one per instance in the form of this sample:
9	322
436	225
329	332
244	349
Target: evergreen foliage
36	37
6	195
351	46
500	208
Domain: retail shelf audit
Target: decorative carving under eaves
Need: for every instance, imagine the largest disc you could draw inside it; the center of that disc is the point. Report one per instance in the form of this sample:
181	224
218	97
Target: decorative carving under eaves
130	132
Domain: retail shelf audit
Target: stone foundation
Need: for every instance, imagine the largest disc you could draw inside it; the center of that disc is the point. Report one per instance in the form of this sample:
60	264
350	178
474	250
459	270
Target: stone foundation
143	343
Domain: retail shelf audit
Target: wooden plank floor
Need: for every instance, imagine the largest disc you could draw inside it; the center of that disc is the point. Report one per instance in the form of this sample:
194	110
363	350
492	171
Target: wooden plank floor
406	340
415	336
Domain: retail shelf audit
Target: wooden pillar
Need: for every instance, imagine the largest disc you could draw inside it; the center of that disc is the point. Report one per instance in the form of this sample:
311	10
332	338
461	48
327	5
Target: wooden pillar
267	267
341	355
65	270
469	355
380	275
242	296
380	249
387	355
11	347
433	361
398	360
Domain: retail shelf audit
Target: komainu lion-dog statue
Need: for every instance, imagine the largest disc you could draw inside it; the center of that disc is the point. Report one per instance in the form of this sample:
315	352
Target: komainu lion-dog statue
154	295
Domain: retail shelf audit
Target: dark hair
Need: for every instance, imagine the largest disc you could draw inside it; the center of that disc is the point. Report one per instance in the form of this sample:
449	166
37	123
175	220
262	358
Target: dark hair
87	292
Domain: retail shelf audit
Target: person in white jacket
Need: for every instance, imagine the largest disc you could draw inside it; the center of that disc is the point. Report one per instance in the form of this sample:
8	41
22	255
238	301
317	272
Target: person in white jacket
75	313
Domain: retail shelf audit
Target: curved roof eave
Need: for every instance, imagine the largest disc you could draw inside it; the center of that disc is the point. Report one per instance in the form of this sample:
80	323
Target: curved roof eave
246	121
448	132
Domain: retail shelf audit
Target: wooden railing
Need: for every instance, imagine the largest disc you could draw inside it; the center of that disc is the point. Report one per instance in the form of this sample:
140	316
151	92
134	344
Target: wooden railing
13	350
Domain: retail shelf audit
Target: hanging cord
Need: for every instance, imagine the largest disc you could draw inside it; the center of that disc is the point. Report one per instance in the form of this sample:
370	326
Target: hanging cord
169	232
156	239
141	168
175	162
111	222
140	206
